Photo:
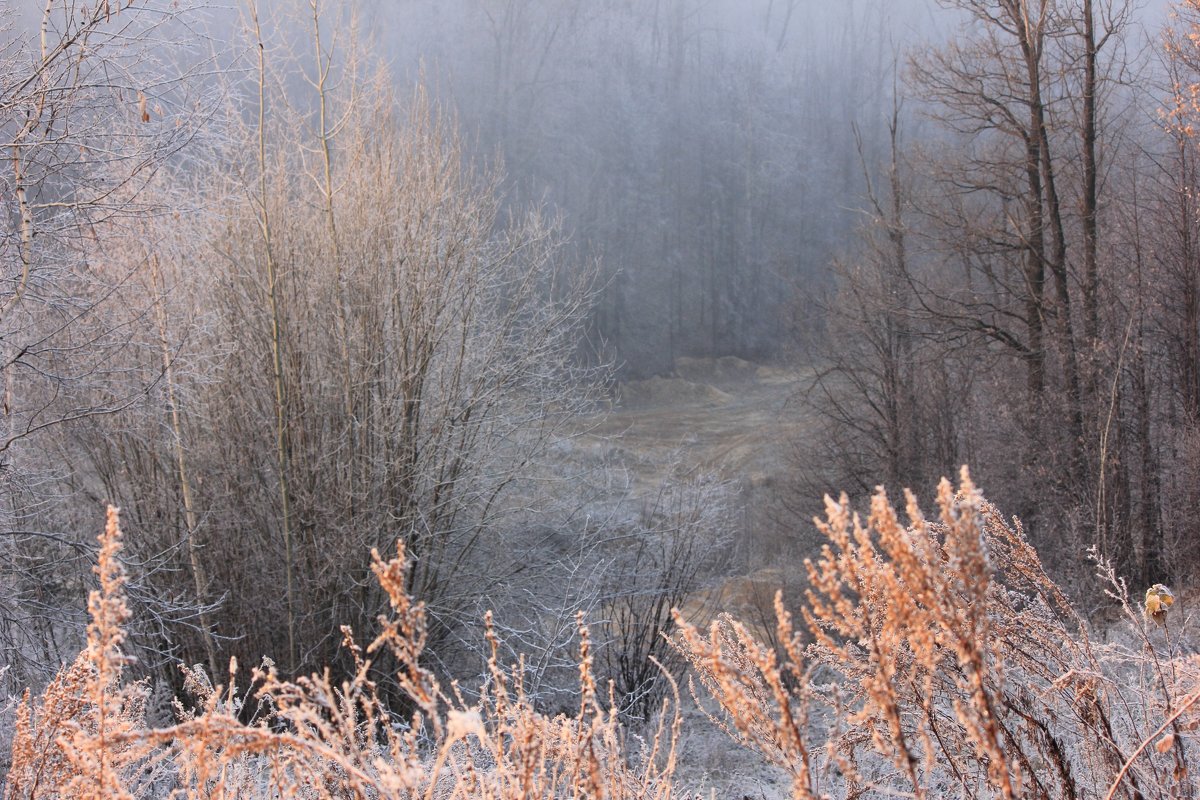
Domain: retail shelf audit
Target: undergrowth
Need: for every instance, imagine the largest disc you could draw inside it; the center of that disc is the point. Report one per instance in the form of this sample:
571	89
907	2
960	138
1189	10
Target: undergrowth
931	658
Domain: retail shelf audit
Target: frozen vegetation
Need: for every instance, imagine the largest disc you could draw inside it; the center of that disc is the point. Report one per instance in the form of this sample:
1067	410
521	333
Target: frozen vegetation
469	374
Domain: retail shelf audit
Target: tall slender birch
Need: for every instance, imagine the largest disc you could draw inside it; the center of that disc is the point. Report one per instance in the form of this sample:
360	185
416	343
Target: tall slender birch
323	62
281	443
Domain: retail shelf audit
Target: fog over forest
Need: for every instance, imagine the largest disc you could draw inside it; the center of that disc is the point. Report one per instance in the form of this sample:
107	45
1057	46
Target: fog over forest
538	331
704	152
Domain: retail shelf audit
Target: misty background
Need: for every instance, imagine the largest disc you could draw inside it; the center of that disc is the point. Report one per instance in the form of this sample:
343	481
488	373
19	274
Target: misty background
704	152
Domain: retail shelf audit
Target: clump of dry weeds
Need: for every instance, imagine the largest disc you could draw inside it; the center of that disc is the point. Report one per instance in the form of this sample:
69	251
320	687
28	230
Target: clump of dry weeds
949	662
75	742
86	737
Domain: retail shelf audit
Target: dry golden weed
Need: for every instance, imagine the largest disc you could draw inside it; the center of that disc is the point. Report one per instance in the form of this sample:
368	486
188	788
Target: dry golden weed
948	663
75	740
86	736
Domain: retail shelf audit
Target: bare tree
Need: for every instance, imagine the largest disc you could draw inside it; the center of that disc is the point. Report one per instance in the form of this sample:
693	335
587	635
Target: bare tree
1025	96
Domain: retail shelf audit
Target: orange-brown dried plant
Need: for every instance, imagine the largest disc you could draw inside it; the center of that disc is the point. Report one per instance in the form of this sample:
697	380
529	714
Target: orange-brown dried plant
86	736
937	657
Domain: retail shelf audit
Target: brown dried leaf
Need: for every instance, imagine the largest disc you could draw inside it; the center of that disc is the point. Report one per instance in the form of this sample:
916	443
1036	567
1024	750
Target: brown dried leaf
1158	599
